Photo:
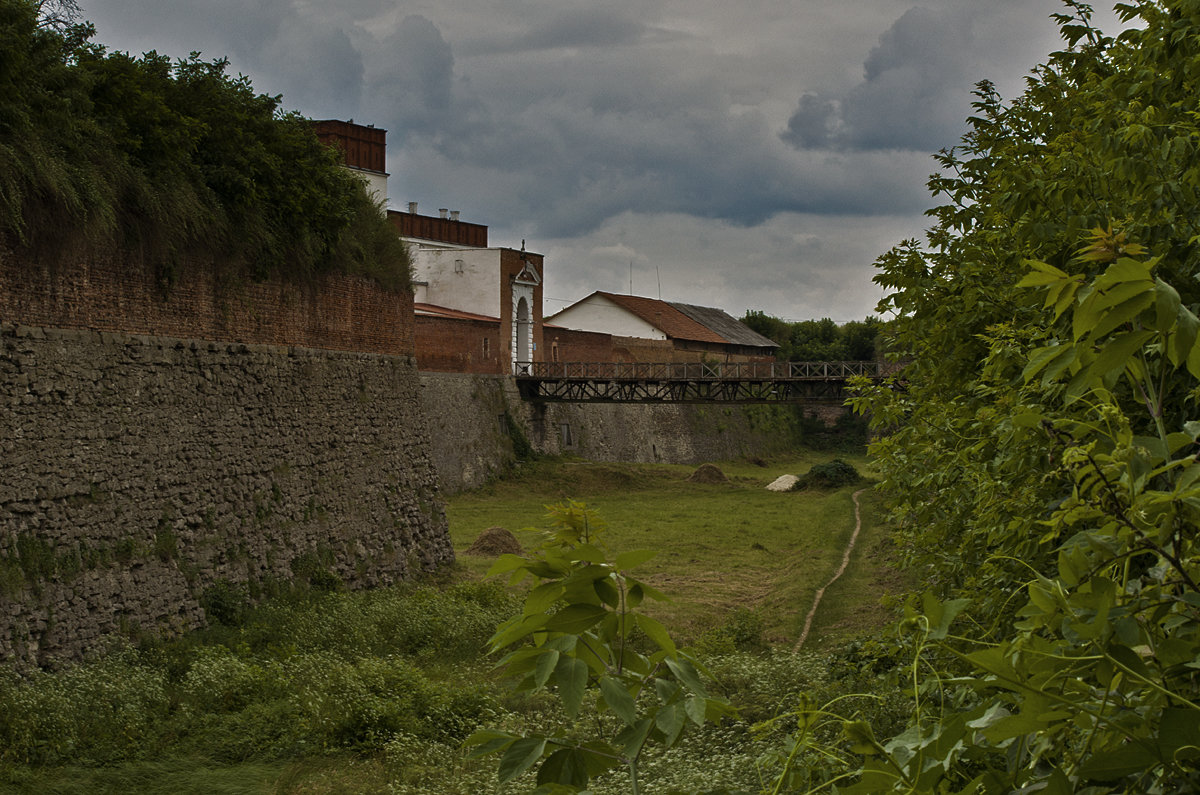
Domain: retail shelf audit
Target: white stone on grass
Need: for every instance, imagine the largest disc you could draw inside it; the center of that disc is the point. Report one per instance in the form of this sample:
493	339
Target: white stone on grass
782	483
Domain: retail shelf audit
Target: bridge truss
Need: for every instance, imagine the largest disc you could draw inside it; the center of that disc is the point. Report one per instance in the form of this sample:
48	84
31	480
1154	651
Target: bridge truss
689	382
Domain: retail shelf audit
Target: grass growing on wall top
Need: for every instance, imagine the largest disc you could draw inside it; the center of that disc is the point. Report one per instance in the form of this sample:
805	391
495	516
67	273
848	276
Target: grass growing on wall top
168	161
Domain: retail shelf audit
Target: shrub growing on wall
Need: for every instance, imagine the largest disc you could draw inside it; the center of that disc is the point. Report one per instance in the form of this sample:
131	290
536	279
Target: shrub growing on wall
167	159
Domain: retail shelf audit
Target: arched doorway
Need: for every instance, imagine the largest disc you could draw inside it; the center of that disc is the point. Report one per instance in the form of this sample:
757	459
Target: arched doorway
523	350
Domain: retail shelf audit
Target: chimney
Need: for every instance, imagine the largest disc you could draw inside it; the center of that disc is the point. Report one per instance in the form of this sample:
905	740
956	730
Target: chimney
442	212
412	208
454	215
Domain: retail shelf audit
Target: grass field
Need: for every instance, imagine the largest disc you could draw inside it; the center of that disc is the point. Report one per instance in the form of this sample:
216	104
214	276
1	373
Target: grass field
721	546
374	692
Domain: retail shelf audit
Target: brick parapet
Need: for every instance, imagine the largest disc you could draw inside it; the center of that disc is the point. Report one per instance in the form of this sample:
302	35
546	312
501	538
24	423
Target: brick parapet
111	294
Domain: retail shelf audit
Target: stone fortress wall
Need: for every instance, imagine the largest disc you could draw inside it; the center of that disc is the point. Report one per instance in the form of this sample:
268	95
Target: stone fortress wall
473	419
161	439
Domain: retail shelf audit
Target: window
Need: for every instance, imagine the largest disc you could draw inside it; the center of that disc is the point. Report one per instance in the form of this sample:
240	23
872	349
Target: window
487	347
459	266
554	351
568	441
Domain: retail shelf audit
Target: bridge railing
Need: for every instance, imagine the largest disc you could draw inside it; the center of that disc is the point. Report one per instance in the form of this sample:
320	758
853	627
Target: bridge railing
699	371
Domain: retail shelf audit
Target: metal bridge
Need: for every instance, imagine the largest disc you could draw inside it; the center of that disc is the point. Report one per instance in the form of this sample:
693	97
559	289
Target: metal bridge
690	382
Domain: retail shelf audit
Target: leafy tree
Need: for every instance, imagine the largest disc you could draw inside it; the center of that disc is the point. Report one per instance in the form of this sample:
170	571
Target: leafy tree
1042	471
818	340
769	326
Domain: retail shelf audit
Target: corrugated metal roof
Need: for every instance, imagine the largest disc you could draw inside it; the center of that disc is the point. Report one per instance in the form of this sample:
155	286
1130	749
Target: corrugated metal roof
732	329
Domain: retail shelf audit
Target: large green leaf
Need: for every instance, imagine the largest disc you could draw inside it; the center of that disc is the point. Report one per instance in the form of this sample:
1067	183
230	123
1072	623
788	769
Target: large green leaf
1183	341
516	629
632	738
565	766
941	614
576	618
488	741
657	633
541	598
618	700
571	677
1179	734
519	757
1111	317
1041	274
1166	306
1115	354
506	563
670	720
547	661
696	708
687	675
1043	357
1109	764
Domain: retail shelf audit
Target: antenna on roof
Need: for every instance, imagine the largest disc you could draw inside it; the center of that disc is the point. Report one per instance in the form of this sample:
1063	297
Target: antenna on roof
659	277
631	277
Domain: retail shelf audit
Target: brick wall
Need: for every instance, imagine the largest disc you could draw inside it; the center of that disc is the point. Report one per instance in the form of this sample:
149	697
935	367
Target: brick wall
336	312
570	345
592	346
637	349
454	345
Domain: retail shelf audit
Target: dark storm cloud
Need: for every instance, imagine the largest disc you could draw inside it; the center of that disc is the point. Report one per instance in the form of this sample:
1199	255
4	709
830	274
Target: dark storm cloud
660	131
583	27
412	83
568	142
914	93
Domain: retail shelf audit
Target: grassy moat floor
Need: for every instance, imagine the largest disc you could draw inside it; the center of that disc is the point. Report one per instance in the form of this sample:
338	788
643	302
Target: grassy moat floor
374	692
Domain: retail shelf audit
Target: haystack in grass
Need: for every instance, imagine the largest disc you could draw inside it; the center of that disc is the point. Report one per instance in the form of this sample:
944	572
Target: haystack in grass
494	542
708	473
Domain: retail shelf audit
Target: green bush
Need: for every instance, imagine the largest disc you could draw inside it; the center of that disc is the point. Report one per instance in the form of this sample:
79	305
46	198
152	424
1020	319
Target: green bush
362	704
92	713
225	602
320	672
740	631
831	475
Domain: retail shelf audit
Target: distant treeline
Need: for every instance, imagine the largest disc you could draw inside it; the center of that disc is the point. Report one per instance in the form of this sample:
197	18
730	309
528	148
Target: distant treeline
103	151
819	340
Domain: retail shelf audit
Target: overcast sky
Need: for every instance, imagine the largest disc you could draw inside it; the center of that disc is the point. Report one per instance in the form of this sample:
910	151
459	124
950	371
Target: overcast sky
757	154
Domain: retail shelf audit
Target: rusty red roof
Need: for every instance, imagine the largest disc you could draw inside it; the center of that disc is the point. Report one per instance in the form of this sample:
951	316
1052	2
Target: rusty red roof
444	311
664	317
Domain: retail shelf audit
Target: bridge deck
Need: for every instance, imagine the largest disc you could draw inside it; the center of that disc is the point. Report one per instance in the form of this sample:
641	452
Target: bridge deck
689	382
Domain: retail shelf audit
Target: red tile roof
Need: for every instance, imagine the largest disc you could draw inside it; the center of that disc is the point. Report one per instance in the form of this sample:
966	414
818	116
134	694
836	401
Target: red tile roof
664	317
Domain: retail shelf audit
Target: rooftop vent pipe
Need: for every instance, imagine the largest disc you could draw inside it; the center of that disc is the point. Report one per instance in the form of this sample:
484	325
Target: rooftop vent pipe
412	208
454	215
442	212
